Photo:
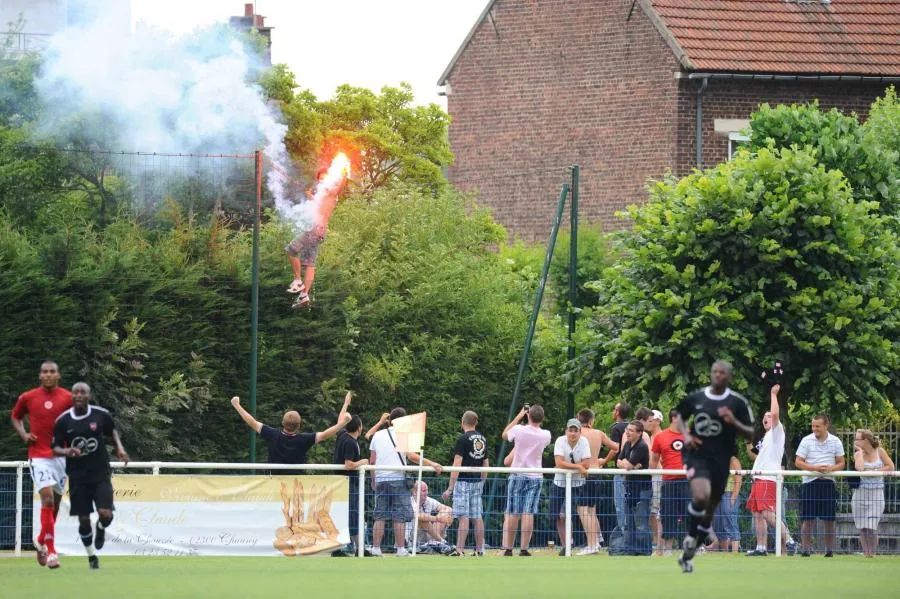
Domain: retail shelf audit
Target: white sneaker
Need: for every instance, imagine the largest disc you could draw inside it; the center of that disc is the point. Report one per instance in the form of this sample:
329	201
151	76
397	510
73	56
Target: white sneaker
375	551
402	552
296	286
587	551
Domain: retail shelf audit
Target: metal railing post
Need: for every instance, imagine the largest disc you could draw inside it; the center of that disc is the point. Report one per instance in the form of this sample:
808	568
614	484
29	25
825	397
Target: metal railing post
20	473
361	514
568	540
779	513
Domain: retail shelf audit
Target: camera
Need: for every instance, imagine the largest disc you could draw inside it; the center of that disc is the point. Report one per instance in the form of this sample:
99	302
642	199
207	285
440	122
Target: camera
774	375
526	407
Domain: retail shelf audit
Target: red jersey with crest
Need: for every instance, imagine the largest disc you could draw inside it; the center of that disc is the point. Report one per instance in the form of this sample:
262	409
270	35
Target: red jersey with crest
42	407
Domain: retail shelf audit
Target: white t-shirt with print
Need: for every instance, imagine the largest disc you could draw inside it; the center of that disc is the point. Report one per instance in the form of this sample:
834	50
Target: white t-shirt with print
771	451
386	454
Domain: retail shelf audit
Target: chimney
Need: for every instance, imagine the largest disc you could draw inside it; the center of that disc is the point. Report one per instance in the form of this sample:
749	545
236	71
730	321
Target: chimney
248	9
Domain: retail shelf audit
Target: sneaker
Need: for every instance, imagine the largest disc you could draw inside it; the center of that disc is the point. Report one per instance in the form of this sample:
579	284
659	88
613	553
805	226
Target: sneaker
690	548
41	554
339	553
562	552
402	552
456	553
99	536
94	562
791	547
296	286
587	551
302	301
478	553
507	553
375	552
52	561
367	553
524	553
829	554
757	553
686	566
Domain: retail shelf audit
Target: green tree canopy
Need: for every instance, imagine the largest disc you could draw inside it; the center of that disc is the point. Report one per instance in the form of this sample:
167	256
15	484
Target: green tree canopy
765	256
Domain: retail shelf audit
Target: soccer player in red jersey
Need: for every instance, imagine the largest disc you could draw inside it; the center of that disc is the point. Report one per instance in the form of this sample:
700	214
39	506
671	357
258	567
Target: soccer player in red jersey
43	405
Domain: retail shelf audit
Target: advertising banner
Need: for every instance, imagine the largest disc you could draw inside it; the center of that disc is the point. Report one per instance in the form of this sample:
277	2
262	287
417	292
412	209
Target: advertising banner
172	515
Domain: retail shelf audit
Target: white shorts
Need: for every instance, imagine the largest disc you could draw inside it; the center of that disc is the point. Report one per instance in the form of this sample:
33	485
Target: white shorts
49	472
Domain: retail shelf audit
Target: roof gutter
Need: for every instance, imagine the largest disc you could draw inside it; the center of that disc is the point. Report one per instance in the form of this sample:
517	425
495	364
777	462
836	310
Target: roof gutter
788	77
698	142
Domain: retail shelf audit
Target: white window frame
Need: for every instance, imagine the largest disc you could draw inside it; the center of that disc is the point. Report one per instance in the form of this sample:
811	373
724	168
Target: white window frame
734	139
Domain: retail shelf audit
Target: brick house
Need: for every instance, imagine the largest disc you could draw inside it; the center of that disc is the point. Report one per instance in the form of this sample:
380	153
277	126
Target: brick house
616	86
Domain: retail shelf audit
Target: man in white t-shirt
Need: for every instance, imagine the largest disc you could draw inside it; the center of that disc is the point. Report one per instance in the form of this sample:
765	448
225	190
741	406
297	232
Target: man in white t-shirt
570	452
819	452
391	494
524	490
761	502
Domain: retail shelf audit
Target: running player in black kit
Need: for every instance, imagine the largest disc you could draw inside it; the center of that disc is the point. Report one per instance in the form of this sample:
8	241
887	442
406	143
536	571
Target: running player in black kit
719	414
79	436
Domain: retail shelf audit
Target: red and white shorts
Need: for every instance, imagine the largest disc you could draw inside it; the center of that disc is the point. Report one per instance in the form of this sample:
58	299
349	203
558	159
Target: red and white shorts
762	496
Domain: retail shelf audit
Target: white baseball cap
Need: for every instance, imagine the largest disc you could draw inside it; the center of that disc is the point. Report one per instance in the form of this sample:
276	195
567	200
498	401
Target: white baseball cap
657	415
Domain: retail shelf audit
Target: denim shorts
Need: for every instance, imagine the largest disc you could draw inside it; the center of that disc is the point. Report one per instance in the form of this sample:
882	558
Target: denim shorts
523	494
392	501
558	500
467	498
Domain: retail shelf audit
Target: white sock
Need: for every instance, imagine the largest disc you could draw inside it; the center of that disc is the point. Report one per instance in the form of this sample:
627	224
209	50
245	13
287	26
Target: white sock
100	525
760	548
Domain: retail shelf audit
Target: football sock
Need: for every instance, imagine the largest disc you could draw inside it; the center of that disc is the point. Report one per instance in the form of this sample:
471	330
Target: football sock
695	513
104	522
47	524
87	537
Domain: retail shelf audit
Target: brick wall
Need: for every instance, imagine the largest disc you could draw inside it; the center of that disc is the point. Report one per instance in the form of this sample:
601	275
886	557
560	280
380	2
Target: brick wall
555	83
736	99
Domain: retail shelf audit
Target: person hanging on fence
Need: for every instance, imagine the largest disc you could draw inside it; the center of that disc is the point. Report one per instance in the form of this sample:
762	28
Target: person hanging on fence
761	503
289	445
303	250
79	436
43	405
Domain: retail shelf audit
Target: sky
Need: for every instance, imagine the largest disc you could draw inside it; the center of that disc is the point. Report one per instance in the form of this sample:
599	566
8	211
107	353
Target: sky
366	43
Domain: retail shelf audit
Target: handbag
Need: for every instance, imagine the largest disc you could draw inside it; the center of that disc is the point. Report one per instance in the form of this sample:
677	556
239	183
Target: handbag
409	480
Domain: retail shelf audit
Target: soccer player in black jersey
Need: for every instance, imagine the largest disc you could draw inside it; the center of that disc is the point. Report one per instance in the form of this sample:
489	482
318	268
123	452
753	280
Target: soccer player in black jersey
709	419
79	436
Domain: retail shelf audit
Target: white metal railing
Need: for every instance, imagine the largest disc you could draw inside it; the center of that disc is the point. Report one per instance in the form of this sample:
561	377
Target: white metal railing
156	467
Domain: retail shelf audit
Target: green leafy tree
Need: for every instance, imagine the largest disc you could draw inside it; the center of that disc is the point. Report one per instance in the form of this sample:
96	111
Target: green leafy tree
765	256
868	155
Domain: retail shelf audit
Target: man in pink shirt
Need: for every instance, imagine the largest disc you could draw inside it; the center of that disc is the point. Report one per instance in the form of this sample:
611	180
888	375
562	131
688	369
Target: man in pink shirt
524	490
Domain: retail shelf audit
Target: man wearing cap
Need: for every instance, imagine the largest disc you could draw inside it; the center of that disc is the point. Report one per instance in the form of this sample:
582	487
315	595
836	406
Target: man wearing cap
570	452
675	492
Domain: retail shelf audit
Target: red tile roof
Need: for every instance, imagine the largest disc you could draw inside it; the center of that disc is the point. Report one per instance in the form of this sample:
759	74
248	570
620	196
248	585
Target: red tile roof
841	37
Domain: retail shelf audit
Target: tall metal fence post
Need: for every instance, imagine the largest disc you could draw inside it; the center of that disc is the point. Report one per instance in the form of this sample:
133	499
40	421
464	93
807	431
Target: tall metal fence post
779	513
20	474
254	299
573	279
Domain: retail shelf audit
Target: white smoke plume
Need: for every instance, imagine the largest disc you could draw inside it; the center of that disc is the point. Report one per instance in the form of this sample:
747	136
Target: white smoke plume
153	91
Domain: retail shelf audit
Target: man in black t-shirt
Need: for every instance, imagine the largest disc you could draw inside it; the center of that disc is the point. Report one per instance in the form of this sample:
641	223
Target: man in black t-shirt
719	414
79	435
289	445
622	413
346	452
467	487
635	455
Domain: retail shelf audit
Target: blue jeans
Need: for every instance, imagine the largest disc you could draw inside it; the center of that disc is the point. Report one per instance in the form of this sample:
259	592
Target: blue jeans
725	521
637	521
619	499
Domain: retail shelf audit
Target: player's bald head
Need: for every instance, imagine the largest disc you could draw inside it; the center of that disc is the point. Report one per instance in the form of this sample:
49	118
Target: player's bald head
291	421
81	386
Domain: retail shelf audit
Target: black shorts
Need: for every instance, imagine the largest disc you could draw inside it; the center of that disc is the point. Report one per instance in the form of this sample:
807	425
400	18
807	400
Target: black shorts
590	492
674	498
818	500
717	474
84	496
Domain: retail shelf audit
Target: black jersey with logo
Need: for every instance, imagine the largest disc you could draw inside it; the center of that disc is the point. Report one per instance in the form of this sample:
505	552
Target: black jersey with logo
716	435
86	433
472	447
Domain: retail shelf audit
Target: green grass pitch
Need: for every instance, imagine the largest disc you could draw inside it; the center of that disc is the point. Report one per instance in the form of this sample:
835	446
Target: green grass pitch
434	577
